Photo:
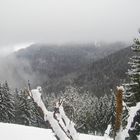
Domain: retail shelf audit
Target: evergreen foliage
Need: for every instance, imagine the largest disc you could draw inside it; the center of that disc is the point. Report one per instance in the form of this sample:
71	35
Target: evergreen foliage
132	93
90	113
7	111
133	88
27	112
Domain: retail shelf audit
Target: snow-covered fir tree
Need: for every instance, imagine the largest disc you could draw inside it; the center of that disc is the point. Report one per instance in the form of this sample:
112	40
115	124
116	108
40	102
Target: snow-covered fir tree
27	111
7	110
133	88
90	113
132	95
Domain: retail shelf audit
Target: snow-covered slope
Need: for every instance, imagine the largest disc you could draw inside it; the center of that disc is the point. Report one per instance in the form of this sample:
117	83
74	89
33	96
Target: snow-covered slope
18	132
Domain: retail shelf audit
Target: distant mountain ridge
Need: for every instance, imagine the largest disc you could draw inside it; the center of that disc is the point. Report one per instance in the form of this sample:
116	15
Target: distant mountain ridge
55	67
107	73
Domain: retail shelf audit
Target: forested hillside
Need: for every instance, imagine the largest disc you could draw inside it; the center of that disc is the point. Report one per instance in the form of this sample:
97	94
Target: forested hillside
86	86
56	67
103	75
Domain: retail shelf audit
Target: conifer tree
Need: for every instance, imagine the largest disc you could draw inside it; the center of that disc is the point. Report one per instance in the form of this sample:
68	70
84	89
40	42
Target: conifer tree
111	114
133	88
132	94
27	112
22	112
7	111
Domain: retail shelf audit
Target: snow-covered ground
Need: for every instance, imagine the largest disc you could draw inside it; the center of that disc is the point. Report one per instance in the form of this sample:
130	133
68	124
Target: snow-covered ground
19	132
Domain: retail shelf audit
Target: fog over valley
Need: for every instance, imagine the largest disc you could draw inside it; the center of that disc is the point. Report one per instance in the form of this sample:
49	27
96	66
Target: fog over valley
64	21
71	68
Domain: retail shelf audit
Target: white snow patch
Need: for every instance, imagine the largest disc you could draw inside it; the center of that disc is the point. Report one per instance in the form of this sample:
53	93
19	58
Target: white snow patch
20	46
20	132
36	93
132	113
120	88
106	135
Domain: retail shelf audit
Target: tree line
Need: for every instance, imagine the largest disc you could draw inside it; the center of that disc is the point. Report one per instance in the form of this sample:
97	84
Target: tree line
90	113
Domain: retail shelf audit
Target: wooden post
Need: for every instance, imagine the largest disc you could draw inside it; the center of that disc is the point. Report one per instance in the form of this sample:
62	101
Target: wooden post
118	110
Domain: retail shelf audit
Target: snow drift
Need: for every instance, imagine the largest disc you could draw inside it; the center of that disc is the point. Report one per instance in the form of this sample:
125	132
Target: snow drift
19	132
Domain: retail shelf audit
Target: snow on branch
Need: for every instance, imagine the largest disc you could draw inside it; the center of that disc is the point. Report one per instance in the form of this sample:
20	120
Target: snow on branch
120	88
60	123
69	125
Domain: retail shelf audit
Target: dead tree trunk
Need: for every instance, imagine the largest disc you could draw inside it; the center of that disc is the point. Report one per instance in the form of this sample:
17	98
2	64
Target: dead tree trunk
59	122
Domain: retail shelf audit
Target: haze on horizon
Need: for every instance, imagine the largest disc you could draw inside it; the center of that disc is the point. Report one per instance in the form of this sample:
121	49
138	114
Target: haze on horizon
61	21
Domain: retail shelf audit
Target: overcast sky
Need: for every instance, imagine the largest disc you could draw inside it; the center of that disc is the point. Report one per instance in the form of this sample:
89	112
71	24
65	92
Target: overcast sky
60	21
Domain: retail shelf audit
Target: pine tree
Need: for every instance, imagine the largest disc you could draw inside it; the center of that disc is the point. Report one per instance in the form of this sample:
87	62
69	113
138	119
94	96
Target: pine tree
22	113
132	94
7	111
27	112
104	113
112	114
133	88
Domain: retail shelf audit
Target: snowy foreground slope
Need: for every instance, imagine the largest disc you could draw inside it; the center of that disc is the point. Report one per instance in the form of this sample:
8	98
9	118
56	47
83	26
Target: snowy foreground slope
18	132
